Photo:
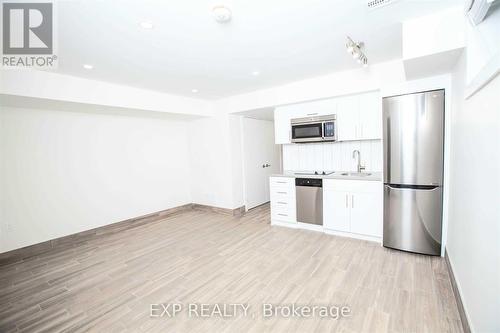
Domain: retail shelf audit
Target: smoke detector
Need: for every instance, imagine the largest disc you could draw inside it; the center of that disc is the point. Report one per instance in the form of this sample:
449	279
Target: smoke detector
221	14
372	4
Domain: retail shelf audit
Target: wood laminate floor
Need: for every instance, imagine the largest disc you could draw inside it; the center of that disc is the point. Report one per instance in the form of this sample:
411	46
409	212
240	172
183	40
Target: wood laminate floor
109	283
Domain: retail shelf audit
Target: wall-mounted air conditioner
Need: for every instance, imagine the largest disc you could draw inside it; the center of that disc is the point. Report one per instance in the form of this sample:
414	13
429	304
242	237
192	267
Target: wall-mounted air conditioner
476	10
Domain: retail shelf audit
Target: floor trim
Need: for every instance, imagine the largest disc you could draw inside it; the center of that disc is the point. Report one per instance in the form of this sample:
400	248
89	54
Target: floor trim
79	237
226	211
458	298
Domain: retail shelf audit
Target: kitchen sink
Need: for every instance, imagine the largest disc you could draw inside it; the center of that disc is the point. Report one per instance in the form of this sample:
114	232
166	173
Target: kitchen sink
356	174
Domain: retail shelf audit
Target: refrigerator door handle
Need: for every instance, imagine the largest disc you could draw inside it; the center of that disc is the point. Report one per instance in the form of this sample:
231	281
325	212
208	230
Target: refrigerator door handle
413	187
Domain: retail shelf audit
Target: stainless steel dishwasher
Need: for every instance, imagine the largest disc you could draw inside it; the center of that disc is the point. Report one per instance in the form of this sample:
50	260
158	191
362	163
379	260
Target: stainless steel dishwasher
309	196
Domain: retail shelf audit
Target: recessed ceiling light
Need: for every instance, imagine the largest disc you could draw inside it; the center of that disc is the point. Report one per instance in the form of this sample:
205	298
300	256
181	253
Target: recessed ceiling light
194	91
87	66
146	25
255	73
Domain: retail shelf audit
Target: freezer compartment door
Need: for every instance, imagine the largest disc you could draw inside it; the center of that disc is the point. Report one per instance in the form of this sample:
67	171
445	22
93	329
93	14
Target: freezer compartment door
413	127
413	219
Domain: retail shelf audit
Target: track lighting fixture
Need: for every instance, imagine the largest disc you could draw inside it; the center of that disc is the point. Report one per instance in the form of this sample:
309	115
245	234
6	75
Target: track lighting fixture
354	49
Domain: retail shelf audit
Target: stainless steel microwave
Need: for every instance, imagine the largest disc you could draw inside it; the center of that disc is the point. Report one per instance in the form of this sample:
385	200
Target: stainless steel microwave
314	129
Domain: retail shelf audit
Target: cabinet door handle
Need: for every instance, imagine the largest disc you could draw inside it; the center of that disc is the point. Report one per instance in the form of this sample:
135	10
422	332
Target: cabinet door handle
312	114
282	214
346	204
281	182
352	200
281	192
283	203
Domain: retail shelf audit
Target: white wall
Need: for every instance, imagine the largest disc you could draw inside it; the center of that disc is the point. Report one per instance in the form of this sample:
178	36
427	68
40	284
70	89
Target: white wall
435	33
332	156
65	172
483	44
67	88
216	171
330	85
474	229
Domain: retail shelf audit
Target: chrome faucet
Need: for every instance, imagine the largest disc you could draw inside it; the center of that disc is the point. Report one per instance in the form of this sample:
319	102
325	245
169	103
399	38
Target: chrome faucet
359	166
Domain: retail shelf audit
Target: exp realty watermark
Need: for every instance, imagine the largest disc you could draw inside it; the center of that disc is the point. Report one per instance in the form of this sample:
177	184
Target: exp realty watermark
233	310
28	34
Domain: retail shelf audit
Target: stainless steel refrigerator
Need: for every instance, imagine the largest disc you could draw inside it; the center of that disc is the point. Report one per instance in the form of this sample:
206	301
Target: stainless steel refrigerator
413	140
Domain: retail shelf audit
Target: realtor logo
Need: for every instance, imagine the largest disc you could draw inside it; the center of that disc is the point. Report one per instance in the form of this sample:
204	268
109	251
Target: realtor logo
28	29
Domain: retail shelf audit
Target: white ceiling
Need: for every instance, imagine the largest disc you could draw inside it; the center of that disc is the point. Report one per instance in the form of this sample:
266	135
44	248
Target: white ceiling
285	40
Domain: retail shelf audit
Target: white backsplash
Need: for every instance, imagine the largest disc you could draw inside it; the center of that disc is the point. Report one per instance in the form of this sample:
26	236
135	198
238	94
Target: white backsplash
335	156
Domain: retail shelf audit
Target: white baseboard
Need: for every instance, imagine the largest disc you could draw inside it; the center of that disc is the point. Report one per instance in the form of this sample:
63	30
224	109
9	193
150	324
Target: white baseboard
319	228
353	235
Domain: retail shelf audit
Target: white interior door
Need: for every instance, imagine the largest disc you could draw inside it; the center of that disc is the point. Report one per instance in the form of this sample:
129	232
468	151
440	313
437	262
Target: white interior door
261	158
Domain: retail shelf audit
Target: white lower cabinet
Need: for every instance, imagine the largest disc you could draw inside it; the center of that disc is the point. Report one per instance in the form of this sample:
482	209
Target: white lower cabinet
336	212
283	207
353	206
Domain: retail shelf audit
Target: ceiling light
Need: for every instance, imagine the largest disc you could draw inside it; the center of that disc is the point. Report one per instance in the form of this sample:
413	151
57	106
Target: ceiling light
354	49
194	91
146	25
255	73
87	66
221	14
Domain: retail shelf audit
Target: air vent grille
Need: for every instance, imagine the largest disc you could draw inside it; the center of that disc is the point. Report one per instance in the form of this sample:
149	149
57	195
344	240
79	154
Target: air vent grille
372	4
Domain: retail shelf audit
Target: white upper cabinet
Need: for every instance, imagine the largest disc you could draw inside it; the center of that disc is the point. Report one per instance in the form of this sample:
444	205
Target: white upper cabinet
320	108
370	116
348	118
283	115
282	127
359	117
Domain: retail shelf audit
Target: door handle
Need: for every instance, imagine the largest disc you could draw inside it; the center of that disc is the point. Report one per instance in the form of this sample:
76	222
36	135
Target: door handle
412	187
352	200
346	204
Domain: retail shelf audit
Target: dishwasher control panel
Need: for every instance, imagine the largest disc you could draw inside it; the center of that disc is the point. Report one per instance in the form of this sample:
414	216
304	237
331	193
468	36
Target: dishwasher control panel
313	182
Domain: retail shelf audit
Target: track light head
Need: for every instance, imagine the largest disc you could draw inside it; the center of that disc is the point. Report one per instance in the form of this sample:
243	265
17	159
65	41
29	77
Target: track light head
354	49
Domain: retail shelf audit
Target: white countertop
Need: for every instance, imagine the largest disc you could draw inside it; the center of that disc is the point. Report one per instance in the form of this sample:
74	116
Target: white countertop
374	176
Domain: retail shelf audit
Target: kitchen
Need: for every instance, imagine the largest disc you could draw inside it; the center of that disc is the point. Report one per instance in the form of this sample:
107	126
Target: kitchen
343	197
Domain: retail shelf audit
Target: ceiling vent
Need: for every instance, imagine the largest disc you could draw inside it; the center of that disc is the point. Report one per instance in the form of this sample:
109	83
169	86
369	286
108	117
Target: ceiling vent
373	4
